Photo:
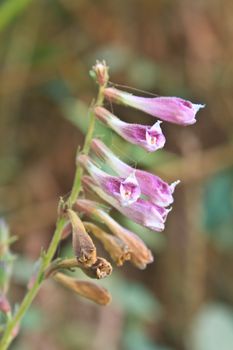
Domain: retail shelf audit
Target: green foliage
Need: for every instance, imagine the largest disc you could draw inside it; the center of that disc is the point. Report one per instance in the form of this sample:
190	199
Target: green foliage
218	209
212	329
9	9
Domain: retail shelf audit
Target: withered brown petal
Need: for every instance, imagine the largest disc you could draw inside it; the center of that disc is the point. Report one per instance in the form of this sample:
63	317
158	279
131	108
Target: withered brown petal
140	254
100	269
86	289
84	248
118	250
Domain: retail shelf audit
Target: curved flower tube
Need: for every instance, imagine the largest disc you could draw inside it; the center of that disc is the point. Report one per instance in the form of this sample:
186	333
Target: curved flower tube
143	212
157	190
148	137
125	190
171	109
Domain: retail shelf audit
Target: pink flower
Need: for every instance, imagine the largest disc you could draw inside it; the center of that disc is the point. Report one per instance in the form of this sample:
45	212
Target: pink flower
125	190
143	212
171	109
148	137
157	190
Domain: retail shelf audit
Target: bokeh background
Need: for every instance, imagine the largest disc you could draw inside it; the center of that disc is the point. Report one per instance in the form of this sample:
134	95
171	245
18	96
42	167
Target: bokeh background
183	301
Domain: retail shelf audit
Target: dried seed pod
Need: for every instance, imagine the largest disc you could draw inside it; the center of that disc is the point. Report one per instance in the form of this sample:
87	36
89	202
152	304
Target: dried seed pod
84	248
118	250
100	269
86	289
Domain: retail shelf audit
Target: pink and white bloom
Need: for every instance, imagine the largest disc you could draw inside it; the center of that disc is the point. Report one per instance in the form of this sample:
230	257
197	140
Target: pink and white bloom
157	190
148	137
143	212
171	109
125	190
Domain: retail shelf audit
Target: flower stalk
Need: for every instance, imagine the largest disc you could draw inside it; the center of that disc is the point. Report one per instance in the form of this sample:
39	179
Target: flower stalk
47	257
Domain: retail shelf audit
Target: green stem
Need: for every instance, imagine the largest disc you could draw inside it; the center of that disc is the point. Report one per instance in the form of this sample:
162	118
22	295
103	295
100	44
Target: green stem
46	259
86	147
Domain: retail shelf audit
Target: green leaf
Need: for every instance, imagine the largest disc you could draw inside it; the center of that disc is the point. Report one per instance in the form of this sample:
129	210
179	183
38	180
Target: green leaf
212	329
218	209
10	9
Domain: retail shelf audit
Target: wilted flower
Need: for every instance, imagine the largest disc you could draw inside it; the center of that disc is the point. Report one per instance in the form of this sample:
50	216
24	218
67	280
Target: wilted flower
171	109
100	269
157	190
148	137
125	190
84	248
140	255
86	289
118	250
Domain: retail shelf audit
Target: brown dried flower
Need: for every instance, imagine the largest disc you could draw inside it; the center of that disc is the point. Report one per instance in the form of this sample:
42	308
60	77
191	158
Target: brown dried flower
84	248
86	289
118	250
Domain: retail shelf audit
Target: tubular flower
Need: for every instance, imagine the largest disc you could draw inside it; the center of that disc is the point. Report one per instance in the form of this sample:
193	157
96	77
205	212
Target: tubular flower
171	109
148	137
125	190
143	212
140	255
157	190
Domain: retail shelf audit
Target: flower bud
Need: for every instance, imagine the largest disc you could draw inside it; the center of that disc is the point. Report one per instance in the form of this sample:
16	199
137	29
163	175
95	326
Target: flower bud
100	73
84	248
4	238
148	137
171	109
86	289
125	190
152	186
118	250
4	304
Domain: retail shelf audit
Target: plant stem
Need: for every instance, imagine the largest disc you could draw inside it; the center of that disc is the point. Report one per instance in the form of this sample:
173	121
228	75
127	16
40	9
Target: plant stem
48	256
79	170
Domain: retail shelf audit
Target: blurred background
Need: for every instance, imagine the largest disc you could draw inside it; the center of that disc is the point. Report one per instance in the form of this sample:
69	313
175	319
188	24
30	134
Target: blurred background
184	300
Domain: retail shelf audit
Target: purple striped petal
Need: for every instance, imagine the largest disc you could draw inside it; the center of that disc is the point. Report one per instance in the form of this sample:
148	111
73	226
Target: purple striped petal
125	189
148	137
172	109
157	190
143	212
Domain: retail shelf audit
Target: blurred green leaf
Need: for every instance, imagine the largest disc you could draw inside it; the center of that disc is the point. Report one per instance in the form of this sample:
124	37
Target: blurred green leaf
143	73
212	329
117	56
218	209
23	270
33	319
135	338
135	299
10	9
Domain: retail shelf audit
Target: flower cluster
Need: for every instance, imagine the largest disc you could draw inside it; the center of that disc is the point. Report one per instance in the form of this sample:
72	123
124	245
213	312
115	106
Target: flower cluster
137	194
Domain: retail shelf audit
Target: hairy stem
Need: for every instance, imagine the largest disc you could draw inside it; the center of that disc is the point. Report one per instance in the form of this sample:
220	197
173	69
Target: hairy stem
48	256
